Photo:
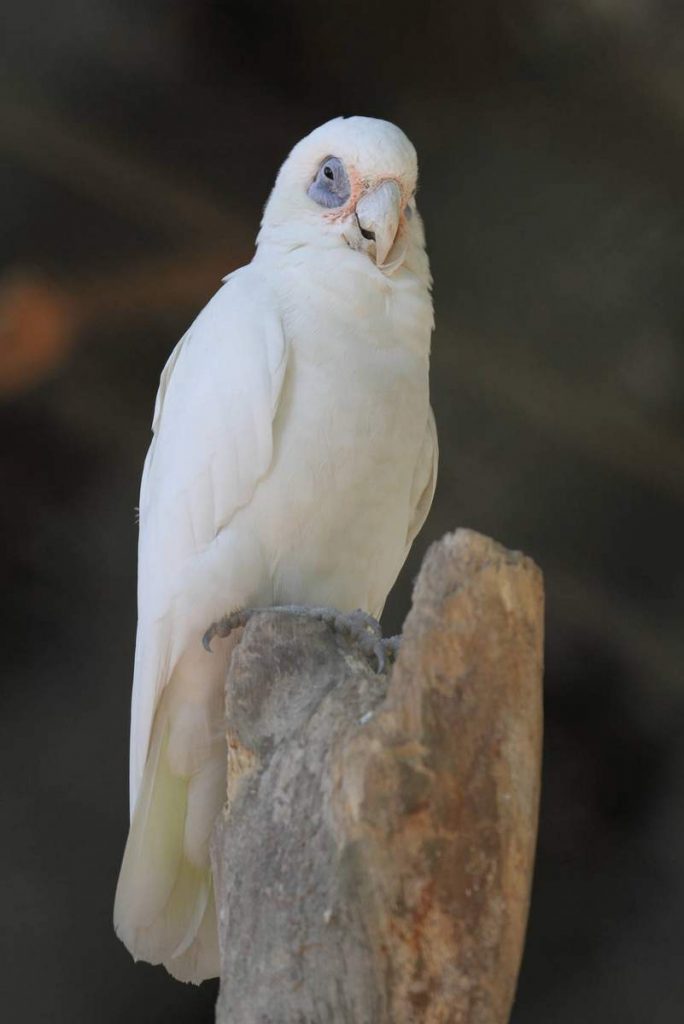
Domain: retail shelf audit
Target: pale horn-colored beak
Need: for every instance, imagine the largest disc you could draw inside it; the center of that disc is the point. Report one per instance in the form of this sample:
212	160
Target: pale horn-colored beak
378	213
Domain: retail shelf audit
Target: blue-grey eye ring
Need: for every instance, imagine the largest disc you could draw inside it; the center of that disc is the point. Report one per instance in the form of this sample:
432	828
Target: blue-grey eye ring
330	186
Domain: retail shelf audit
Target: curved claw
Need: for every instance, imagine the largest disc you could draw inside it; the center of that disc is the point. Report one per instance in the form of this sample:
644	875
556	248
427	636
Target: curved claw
380	656
208	637
225	626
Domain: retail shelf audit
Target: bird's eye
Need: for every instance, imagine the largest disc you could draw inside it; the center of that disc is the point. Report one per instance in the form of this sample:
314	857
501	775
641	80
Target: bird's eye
330	187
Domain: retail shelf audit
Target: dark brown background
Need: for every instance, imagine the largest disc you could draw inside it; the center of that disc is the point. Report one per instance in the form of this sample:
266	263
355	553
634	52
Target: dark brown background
139	141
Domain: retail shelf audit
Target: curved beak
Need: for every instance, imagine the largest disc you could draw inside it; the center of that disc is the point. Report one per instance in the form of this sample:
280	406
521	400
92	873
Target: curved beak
378	213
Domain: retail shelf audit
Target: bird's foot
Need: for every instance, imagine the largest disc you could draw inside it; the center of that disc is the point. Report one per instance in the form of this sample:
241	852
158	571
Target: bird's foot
358	626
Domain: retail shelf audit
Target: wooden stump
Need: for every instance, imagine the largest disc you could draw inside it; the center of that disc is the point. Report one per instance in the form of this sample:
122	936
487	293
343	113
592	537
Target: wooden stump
374	860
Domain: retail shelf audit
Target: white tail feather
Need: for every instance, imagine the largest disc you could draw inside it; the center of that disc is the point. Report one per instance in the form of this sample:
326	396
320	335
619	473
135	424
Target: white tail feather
164	909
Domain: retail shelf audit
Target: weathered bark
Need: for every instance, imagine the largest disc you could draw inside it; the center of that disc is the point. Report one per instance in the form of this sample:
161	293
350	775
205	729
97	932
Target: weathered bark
375	857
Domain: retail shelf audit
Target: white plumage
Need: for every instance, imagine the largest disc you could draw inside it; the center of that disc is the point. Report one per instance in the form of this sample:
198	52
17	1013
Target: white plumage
293	462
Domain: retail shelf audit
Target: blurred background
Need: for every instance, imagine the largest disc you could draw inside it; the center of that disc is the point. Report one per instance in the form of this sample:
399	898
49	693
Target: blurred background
139	141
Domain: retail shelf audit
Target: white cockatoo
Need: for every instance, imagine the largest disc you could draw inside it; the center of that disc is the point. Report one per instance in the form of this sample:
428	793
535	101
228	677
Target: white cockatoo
293	462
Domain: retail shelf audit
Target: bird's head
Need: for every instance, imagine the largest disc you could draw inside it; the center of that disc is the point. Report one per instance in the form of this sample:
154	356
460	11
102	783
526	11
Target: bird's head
351	183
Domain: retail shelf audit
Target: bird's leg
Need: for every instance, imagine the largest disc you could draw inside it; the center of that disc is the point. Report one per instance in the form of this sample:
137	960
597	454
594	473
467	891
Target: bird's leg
358	626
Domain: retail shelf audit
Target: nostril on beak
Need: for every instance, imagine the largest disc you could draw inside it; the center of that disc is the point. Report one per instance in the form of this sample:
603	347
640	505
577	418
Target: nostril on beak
368	235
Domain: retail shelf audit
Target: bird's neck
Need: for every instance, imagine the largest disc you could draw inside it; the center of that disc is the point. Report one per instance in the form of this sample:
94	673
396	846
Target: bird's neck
282	244
337	283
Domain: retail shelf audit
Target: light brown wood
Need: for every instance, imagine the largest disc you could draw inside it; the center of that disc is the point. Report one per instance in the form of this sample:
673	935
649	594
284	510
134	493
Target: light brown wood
375	858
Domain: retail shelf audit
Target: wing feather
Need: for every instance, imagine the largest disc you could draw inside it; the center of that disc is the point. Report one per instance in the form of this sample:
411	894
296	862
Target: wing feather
213	442
424	481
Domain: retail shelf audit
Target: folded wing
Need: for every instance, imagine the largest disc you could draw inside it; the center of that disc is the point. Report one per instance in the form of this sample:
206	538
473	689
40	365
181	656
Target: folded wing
213	442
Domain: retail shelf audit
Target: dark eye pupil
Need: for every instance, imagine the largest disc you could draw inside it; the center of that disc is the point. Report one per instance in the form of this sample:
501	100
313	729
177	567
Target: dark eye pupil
328	171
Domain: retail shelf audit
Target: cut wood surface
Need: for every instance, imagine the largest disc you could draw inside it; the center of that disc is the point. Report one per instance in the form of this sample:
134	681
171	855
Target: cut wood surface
374	860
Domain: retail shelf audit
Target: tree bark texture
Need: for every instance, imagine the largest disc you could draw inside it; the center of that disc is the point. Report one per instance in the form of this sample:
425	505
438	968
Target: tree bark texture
374	859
